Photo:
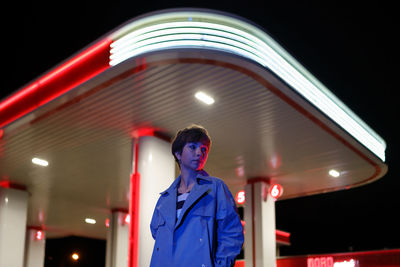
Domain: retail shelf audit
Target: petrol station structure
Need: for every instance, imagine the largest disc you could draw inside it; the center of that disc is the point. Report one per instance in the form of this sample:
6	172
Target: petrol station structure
88	143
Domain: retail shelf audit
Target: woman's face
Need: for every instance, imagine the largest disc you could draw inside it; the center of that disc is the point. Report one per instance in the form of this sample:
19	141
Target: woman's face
194	156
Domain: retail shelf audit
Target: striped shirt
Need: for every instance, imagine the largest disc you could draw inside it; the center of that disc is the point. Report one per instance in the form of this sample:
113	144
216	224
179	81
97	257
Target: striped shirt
180	200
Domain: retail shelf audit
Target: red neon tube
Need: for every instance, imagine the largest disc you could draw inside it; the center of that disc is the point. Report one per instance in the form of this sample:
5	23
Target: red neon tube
133	246
70	74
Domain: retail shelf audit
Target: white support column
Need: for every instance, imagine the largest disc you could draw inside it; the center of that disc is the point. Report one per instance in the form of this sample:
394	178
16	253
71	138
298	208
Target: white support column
13	216
117	240
156	167
35	247
259	215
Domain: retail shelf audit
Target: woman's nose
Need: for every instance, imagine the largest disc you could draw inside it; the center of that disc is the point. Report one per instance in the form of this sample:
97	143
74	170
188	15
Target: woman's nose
198	151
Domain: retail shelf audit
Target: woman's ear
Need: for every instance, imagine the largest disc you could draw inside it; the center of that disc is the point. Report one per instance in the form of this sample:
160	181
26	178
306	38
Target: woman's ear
178	156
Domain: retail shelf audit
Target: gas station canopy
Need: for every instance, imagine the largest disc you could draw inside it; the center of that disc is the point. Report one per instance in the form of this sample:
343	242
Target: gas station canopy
270	118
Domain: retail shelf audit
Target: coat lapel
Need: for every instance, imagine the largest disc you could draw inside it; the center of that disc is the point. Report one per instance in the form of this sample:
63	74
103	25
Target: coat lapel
198	190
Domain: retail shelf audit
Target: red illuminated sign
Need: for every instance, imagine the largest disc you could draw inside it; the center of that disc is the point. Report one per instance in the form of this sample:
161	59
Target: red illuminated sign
320	262
39	235
275	190
328	262
240	197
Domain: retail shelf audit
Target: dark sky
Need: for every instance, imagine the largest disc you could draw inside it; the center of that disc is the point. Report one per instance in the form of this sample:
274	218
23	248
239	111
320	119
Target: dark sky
349	46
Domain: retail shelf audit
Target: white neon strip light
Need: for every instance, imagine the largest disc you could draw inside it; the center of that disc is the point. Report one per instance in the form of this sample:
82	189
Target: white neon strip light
261	49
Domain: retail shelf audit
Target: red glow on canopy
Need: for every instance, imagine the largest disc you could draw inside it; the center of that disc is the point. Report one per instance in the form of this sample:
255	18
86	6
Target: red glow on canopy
70	74
146	131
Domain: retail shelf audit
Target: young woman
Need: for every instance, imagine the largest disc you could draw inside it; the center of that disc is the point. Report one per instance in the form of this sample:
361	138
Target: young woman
195	221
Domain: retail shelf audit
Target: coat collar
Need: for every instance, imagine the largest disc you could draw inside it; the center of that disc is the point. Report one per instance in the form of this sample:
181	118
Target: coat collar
200	175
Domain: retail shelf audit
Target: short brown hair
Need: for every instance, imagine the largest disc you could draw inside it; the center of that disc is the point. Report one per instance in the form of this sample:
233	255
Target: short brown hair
193	133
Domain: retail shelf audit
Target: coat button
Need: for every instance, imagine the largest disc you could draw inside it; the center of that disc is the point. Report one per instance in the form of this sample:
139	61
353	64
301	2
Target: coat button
201	239
203	265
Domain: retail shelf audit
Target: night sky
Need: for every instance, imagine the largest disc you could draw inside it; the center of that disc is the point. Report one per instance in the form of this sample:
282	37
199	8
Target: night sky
349	46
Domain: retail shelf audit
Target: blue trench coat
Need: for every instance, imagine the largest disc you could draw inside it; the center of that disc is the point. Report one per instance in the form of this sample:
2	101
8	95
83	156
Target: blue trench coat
208	232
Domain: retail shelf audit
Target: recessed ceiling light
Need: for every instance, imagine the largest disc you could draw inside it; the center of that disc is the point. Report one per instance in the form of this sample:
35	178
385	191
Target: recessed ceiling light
334	173
204	98
40	162
90	221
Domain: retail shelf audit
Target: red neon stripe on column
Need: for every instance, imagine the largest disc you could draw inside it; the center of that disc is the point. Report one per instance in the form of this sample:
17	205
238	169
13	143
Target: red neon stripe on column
253	225
133	247
70	74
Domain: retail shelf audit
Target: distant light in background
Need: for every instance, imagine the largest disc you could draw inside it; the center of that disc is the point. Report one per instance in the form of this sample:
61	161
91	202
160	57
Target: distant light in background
107	223
40	162
75	256
90	221
204	98
334	173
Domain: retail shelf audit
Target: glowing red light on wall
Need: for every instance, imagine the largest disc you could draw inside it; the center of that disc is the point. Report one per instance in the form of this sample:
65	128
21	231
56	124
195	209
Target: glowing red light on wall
39	235
276	190
240	197
107	223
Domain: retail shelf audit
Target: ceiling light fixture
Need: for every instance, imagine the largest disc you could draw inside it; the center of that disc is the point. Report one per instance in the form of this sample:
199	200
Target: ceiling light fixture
204	98
40	162
90	221
334	173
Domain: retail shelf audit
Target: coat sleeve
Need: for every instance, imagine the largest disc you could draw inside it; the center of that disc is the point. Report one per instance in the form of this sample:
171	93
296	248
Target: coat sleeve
153	223
229	229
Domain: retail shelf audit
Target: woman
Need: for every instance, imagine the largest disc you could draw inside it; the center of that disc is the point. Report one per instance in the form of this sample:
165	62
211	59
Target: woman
195	221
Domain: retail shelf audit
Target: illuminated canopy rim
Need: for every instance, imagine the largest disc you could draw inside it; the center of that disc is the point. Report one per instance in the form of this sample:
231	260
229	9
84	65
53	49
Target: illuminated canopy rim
209	29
